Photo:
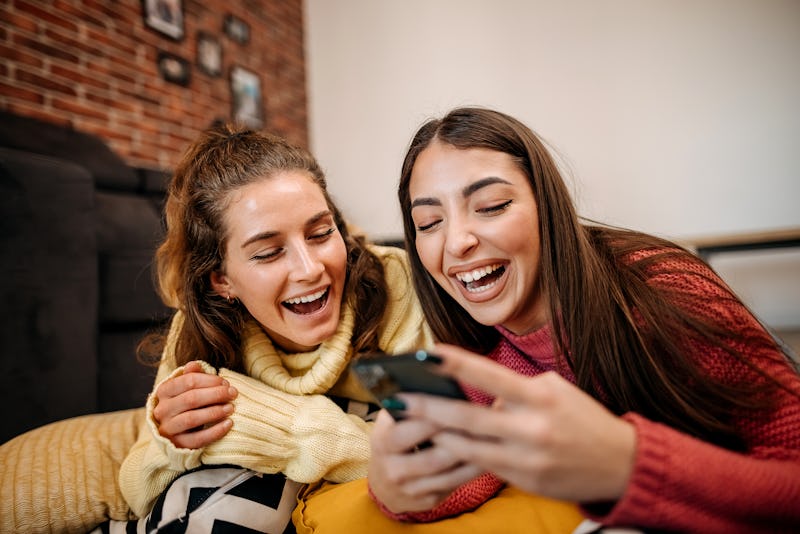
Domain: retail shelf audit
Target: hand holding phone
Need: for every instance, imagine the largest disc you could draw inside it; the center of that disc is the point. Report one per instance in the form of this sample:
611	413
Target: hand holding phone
412	372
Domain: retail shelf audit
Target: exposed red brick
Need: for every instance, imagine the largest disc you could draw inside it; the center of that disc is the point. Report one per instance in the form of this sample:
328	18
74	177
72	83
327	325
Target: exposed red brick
72	74
21	22
37	112
46	85
78	12
79	109
93	64
48	17
59	38
17	55
21	93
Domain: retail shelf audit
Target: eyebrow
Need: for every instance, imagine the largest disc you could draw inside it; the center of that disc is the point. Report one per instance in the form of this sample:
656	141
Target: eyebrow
466	192
314	219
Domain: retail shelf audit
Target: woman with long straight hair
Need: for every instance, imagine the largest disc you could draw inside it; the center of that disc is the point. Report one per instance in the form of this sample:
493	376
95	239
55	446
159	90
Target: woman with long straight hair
606	367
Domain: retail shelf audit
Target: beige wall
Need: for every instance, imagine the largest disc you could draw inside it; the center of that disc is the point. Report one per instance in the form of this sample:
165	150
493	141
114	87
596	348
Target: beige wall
678	118
675	117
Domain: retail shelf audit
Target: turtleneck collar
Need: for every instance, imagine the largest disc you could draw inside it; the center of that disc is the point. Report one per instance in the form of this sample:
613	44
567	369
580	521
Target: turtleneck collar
537	344
307	373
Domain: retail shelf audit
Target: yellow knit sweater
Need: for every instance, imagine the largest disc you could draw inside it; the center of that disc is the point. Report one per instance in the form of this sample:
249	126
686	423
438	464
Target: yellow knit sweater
282	420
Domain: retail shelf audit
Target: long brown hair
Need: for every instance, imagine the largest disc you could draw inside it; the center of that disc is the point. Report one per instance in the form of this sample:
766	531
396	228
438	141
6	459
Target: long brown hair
624	338
224	158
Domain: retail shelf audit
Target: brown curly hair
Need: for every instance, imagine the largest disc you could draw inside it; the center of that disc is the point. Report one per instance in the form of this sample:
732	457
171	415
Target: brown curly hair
224	158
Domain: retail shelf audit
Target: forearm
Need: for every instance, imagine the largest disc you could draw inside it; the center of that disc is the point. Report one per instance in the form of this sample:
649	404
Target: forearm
306	437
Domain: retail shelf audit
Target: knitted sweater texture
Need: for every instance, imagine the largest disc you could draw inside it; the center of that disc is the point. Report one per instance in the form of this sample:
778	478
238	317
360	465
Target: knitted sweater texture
680	483
282	420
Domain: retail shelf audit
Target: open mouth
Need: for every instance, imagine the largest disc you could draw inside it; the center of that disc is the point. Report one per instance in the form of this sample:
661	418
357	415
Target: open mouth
481	279
307	303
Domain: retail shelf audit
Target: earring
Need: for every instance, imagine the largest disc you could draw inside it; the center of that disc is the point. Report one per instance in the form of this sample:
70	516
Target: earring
229	299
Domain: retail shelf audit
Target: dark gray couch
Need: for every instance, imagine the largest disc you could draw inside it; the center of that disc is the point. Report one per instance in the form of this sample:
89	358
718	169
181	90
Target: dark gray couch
77	236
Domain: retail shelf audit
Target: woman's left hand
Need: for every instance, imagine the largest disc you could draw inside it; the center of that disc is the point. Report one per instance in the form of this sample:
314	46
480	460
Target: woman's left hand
543	434
405	478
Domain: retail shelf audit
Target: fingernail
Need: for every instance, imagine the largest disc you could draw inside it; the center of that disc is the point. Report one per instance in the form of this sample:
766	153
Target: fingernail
393	403
225	382
228	408
232	391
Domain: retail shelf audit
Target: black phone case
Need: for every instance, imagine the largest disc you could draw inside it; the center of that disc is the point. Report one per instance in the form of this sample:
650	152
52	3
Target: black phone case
413	372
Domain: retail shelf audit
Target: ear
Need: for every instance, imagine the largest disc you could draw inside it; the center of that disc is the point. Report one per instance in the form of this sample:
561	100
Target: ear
221	284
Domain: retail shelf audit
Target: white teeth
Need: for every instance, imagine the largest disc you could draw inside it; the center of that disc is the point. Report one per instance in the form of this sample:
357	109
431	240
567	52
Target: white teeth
473	289
306	298
477	274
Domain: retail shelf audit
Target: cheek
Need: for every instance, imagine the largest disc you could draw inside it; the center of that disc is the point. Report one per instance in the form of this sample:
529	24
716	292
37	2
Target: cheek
429	253
337	259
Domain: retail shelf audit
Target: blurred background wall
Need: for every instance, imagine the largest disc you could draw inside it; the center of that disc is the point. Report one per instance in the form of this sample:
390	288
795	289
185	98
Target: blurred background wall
676	118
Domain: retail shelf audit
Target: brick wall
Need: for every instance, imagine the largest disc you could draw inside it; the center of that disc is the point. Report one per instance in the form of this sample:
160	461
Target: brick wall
93	64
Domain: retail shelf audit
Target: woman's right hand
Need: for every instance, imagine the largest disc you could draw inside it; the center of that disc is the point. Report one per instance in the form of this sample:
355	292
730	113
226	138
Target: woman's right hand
193	408
406	478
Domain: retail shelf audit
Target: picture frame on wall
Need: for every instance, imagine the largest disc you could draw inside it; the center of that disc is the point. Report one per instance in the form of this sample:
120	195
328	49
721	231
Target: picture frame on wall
246	97
174	69
236	29
209	54
164	16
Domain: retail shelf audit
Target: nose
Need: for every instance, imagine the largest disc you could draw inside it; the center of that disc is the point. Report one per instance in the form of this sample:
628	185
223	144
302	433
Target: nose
461	240
306	266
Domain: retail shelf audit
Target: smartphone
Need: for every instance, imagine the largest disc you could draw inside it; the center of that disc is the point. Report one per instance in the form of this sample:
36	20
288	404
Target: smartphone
412	372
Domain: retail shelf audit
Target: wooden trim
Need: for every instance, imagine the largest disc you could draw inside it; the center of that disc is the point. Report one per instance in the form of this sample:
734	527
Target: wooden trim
780	238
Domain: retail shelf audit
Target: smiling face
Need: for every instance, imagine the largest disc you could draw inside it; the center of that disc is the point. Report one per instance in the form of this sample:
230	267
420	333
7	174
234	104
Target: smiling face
477	233
285	259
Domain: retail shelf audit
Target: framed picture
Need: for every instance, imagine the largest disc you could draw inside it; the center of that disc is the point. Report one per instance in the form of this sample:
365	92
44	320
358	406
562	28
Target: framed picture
209	54
165	16
246	97
174	69
237	29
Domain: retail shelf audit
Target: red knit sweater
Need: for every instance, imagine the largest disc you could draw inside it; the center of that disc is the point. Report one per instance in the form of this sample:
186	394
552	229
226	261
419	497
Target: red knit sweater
680	483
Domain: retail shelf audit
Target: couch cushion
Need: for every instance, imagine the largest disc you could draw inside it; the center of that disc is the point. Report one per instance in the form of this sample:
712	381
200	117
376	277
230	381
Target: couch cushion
154	181
128	231
63	477
118	358
48	291
107	168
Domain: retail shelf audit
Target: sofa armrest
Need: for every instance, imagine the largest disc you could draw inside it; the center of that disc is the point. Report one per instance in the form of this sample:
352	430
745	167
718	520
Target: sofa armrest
48	291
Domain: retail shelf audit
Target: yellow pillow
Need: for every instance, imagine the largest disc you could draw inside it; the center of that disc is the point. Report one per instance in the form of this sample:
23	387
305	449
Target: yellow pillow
348	508
62	477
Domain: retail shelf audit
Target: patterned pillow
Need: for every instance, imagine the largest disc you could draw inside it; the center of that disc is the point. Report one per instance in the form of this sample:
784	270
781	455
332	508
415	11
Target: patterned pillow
215	499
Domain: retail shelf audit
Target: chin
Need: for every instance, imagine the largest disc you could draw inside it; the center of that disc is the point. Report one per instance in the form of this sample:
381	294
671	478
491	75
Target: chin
323	335
485	318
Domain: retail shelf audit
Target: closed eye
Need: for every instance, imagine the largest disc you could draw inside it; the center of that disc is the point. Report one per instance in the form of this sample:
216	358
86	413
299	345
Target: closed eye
271	255
323	235
496	208
426	227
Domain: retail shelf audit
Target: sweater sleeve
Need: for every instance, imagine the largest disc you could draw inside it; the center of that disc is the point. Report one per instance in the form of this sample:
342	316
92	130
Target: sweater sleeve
153	461
306	437
680	483
465	498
